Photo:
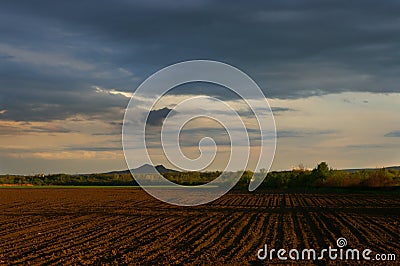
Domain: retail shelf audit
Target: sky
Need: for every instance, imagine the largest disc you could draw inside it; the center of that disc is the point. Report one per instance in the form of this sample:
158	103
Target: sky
329	69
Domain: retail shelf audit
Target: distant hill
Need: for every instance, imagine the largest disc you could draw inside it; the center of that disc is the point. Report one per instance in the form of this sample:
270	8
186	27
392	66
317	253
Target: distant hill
149	169
395	168
146	169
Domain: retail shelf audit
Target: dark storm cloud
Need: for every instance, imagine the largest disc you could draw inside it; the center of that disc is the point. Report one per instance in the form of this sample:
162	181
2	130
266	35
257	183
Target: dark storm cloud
204	88
58	104
156	117
56	51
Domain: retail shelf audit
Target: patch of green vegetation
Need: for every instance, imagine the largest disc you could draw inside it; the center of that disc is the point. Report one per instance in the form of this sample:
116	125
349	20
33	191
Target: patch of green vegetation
322	176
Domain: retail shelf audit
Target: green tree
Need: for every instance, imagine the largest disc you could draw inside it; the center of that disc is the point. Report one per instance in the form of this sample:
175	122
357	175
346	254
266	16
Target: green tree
322	171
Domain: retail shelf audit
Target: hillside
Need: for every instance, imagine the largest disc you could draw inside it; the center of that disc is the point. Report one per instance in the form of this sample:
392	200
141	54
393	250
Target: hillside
146	169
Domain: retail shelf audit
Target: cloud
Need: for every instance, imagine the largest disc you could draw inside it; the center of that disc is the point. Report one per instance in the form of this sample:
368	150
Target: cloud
366	146
14	128
281	109
53	56
394	134
57	52
56	105
49	129
278	110
156	117
116	133
302	133
94	148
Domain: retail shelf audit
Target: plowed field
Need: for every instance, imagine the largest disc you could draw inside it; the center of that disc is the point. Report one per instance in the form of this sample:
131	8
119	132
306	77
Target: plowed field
126	226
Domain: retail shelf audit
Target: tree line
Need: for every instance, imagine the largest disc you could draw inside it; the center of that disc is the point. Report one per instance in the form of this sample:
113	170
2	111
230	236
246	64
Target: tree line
321	176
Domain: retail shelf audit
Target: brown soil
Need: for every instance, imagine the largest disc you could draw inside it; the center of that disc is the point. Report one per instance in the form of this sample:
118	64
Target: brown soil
126	226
